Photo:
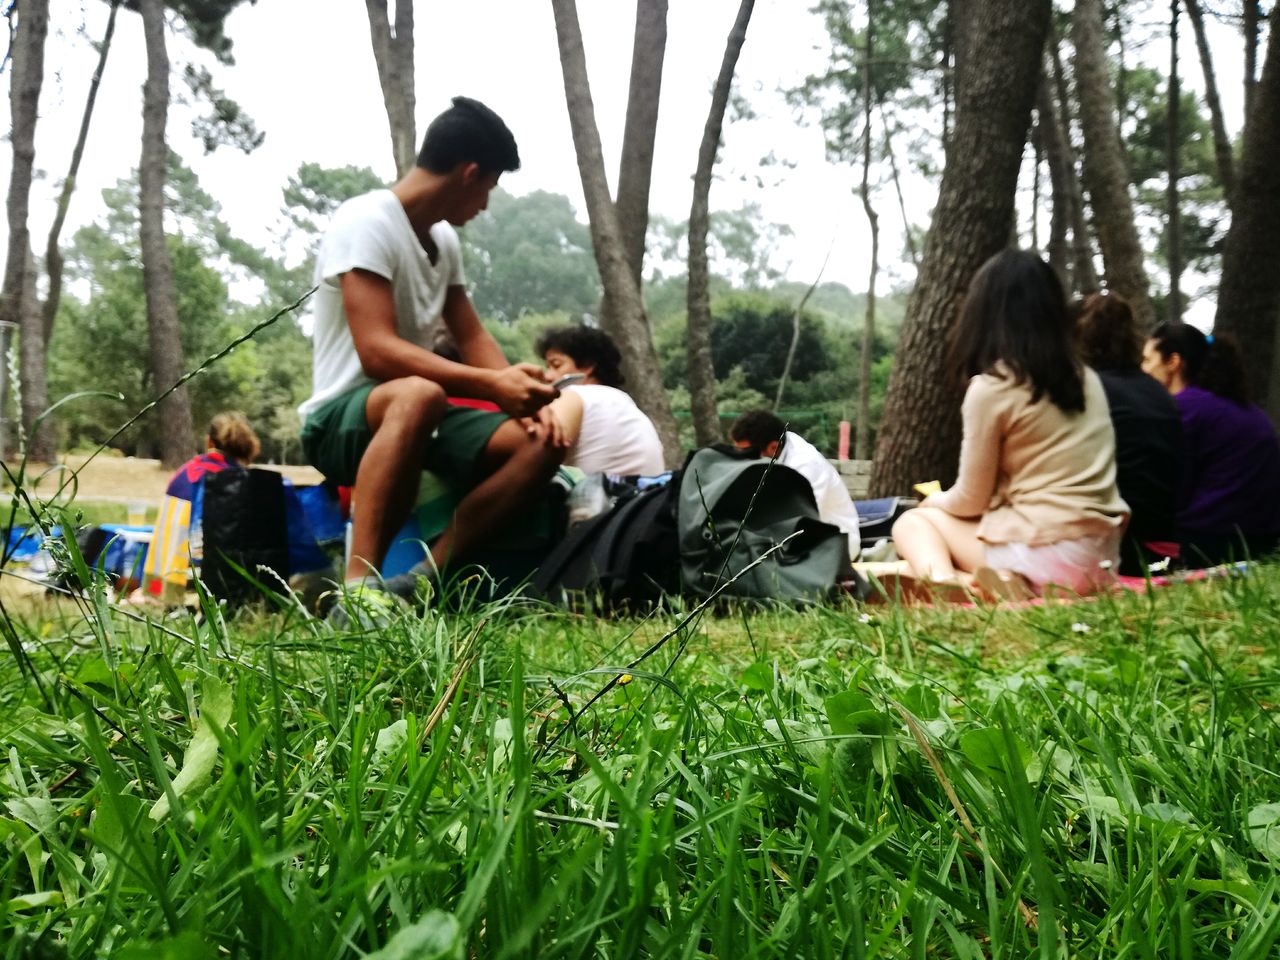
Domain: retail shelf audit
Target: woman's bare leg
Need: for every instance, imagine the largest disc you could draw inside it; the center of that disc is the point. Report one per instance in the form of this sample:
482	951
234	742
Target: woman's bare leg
937	545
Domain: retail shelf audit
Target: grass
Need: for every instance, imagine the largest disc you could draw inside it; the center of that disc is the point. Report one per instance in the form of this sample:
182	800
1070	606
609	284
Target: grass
1096	781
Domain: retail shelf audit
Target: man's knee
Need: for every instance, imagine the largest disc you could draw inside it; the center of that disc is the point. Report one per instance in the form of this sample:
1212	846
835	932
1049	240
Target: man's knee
412	403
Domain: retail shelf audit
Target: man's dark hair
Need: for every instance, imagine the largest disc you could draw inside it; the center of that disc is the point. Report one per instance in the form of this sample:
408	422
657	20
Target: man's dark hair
759	428
1213	363
469	132
586	347
1015	318
1106	332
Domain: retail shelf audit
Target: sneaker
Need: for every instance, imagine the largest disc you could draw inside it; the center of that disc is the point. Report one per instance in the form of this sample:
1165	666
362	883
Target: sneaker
367	606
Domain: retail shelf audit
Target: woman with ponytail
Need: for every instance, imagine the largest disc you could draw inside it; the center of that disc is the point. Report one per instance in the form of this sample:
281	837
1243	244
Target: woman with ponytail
1229	499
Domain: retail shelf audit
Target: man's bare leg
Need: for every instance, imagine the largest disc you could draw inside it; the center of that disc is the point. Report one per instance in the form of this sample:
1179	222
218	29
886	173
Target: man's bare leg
403	414
517	468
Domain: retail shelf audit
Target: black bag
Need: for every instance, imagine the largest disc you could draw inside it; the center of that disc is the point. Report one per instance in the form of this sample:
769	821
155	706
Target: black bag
627	558
245	525
733	508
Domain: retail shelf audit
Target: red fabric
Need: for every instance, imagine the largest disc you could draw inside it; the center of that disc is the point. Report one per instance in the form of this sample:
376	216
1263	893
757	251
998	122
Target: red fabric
474	404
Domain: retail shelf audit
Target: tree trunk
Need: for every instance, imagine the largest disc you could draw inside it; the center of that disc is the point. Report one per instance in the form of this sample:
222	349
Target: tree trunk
862	432
1086	276
795	334
17	297
53	255
1055	153
1173	214
35	378
1253	16
175	431
636	169
1249	294
1106	174
1221	141
393	53
920	436
897	186
702	378
629	328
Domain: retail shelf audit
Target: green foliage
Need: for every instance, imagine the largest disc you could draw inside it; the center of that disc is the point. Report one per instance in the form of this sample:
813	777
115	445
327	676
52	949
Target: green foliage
1092	779
530	254
907	34
101	342
314	192
740	248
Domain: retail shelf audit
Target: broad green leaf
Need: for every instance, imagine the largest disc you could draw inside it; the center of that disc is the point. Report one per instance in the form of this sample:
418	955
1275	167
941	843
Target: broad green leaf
185	946
851	712
758	677
1167	813
1264	829
34	901
985	748
391	740
37	812
921	700
437	936
202	751
98	671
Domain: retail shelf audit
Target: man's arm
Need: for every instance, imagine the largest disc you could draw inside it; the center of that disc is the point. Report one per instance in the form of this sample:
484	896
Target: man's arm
385	355
475	344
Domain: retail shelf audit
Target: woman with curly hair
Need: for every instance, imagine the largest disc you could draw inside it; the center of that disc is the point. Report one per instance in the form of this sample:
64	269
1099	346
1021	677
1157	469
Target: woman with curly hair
606	431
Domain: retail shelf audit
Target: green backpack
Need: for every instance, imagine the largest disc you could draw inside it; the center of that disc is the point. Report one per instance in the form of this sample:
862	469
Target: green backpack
733	509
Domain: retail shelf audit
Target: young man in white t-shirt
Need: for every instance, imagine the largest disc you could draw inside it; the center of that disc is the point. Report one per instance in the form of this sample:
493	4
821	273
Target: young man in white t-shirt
390	273
763	434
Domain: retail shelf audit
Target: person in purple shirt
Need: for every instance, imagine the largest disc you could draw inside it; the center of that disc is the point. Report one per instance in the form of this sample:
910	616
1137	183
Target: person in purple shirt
1229	501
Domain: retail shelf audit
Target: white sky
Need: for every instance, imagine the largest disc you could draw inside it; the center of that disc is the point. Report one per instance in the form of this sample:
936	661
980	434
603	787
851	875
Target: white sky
305	72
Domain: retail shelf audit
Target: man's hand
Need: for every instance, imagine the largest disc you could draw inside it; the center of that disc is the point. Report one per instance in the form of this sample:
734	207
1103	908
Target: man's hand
547	427
522	389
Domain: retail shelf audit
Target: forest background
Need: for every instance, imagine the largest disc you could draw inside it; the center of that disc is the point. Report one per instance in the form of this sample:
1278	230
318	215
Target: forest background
260	147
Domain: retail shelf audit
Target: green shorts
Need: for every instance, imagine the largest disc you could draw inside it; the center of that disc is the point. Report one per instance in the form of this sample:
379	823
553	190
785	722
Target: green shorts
335	437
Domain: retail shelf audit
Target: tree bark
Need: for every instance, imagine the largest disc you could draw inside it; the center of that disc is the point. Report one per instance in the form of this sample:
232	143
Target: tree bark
920	436
702	377
177	436
35	378
1173	213
629	328
1086	276
862	431
53	255
1055	153
393	53
1253	17
1222	153
1249	293
1106	174
636	168
17	297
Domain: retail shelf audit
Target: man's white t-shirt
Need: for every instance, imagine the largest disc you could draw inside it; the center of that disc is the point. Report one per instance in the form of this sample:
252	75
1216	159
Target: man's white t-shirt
372	232
615	437
835	506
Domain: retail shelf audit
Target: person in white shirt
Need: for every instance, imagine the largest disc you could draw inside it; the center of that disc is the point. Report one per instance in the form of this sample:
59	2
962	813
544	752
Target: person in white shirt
389	273
605	430
763	434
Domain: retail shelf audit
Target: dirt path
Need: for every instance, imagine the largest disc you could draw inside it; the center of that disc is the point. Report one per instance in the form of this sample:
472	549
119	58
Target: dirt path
115	479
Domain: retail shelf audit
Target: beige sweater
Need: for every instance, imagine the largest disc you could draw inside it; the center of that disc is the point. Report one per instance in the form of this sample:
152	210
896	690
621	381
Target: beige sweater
1034	474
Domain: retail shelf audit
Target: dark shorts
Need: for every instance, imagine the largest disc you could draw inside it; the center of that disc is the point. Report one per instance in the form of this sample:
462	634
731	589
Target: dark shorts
335	437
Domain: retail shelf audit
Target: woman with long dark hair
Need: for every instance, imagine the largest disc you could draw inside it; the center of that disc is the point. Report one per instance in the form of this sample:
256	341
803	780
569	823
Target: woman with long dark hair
1229	499
1035	500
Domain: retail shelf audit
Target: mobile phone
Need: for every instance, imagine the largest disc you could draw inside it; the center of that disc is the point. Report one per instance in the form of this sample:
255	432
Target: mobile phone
568	380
